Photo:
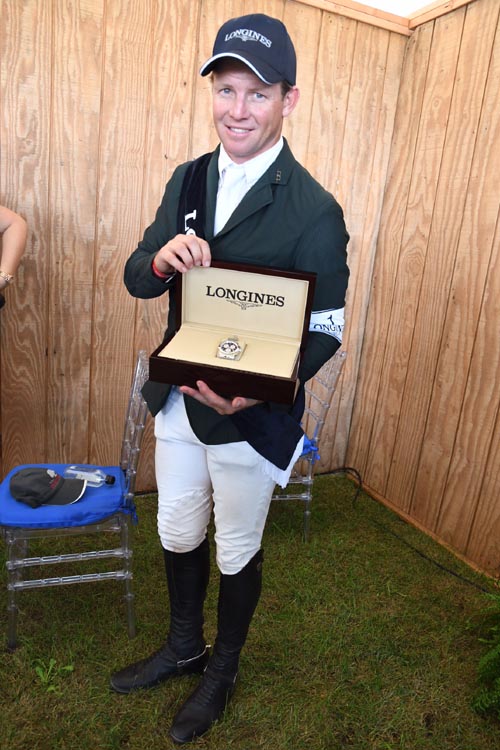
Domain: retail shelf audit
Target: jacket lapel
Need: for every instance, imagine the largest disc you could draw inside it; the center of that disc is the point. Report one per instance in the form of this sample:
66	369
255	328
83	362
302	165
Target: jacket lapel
259	196
211	196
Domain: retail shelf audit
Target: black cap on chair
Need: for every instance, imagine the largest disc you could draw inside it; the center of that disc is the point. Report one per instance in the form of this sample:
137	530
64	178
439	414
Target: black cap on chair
36	486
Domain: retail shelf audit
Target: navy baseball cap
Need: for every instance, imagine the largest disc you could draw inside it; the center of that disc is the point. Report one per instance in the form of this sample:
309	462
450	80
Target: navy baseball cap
37	486
260	42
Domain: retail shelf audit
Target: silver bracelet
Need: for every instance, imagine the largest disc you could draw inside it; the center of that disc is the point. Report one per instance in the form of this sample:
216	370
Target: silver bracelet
6	276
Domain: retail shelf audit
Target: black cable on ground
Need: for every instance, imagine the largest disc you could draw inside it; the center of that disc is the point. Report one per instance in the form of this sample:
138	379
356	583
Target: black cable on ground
357	476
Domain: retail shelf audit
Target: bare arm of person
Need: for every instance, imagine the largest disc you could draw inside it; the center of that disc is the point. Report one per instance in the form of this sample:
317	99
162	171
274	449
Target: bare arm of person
14	230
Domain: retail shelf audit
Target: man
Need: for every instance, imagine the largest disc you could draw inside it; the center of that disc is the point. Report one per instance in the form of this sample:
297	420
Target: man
248	202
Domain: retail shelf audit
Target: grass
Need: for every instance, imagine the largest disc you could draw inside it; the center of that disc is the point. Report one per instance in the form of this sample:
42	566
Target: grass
358	642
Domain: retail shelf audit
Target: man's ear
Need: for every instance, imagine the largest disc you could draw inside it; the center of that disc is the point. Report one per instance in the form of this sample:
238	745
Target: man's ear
290	100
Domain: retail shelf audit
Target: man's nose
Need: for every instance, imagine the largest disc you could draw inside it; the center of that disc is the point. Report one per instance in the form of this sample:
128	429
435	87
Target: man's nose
239	108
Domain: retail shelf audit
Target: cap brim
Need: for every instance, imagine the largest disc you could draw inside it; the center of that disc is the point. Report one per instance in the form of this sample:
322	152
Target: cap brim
69	491
264	72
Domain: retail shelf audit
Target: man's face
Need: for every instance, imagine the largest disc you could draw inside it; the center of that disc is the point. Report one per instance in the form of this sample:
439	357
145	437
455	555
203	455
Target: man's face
248	114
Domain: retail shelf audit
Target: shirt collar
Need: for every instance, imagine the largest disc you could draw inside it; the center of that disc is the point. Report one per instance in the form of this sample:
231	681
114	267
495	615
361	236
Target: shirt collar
253	168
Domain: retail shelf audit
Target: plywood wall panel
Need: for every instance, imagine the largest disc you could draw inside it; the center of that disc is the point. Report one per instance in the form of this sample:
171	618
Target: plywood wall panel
125	94
455	167
363	113
325	146
480	409
476	226
472	445
358	301
413	251
440	408
331	98
483	543
25	69
483	533
389	238
303	24
72	194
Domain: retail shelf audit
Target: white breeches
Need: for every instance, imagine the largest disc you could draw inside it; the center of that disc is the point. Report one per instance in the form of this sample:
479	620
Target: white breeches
193	477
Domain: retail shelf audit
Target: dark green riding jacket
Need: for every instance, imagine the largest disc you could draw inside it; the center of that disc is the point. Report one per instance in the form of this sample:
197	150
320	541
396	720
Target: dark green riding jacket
286	220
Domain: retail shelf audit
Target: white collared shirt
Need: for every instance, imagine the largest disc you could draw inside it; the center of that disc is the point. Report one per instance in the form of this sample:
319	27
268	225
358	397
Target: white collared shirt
247	175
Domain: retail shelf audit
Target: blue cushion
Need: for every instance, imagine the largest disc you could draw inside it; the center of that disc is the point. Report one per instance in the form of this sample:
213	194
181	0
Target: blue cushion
96	503
310	446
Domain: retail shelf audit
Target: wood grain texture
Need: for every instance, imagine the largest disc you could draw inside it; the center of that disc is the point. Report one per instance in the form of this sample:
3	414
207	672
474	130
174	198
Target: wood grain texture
126	91
483	543
331	99
472	228
303	24
326	142
364	13
357	179
442	472
358	301
455	167
379	315
434	10
413	251
463	498
402	24
483	539
25	125
76	76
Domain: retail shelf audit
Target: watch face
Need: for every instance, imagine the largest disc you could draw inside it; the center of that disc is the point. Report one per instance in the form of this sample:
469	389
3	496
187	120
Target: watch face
230	348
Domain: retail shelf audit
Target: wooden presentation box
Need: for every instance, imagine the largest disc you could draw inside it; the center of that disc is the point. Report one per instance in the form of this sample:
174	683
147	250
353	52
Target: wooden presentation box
266	308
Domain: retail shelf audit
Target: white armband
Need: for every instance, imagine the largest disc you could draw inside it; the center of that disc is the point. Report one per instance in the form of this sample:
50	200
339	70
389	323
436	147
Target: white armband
330	322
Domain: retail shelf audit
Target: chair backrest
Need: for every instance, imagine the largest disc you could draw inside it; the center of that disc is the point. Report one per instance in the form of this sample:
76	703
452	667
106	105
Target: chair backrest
134	425
319	395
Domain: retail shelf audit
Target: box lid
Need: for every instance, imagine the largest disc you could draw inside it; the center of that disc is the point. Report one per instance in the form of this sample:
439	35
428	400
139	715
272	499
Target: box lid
272	303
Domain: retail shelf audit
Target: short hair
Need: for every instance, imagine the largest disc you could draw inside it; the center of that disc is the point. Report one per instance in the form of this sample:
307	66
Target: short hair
284	85
285	88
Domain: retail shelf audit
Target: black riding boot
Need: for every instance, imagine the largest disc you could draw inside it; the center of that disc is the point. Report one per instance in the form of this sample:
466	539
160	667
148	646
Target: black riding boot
185	651
238	597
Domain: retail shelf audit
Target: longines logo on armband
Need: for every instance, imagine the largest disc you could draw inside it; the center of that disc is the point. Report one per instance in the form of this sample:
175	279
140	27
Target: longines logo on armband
330	322
244	298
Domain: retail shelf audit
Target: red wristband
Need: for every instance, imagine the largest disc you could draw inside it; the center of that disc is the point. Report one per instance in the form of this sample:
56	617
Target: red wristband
159	274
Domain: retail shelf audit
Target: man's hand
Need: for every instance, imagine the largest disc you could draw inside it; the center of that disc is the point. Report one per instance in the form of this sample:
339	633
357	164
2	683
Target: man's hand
221	405
182	253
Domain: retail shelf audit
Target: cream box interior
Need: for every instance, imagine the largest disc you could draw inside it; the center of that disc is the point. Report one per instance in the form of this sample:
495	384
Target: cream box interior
266	312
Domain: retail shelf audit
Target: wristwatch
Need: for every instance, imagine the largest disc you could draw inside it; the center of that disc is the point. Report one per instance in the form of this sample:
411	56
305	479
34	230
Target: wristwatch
230	348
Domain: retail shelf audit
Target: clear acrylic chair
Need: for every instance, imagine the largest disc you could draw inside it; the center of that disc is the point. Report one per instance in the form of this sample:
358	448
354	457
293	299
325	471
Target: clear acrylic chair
105	509
319	395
